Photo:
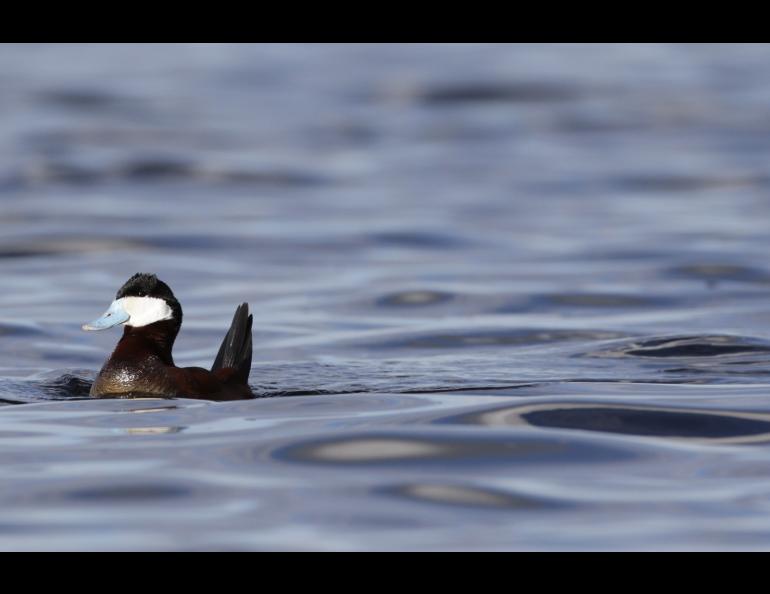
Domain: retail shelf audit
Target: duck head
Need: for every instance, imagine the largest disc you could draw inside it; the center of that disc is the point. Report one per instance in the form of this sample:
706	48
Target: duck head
143	300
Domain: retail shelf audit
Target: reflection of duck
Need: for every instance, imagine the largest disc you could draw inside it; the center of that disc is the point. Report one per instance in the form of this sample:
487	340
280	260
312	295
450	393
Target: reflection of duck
141	363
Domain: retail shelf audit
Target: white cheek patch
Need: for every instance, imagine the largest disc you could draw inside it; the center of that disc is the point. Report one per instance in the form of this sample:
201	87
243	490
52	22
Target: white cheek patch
145	310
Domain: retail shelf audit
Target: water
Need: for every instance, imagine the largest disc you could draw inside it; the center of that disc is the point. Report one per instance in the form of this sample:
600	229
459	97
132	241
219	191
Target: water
505	297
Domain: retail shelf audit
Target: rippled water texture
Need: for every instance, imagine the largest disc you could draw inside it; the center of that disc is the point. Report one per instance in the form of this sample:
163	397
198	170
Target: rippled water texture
505	297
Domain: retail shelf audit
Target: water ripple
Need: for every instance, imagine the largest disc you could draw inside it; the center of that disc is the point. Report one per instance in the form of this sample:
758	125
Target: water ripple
705	426
687	346
504	296
455	450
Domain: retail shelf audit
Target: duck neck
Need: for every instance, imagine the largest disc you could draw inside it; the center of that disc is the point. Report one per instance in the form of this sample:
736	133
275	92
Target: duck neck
158	337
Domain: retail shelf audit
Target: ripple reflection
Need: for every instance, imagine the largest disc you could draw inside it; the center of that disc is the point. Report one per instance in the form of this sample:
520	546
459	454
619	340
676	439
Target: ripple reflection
394	449
468	496
703	426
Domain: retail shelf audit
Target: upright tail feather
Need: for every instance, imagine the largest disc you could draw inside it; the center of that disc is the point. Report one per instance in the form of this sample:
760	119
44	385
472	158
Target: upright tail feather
235	351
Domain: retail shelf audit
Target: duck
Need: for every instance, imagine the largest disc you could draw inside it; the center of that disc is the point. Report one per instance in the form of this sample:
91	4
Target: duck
142	363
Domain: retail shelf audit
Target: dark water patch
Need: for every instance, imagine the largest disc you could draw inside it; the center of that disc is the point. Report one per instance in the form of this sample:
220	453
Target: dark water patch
468	496
381	449
684	183
562	301
647	421
705	346
86	100
714	272
687	346
696	350
15	329
154	169
418	239
722	372
26	251
58	171
414	298
495	338
475	93
131	492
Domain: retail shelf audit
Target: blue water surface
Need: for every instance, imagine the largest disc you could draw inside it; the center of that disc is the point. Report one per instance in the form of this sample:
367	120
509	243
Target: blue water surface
505	297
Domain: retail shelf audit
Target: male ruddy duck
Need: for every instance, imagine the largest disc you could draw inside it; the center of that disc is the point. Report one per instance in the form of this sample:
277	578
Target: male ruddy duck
141	363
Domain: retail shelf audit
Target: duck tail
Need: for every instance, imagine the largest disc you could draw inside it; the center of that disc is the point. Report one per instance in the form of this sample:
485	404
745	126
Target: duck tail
235	351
